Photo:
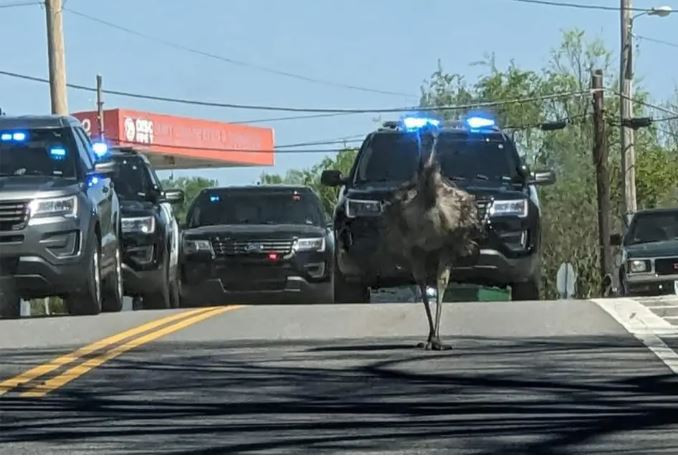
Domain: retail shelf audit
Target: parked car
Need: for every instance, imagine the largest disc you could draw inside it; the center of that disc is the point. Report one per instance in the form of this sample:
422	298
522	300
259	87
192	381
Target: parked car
150	233
59	217
649	253
482	160
257	244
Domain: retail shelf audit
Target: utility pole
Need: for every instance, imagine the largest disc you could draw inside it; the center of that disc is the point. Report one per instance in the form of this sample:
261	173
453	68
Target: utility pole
600	155
100	109
56	56
628	153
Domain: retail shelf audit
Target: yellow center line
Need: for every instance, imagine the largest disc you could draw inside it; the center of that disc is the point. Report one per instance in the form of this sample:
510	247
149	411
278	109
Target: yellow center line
89	364
41	370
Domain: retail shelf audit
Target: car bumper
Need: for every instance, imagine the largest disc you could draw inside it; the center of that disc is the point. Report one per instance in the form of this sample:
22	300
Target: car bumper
649	285
44	260
492	268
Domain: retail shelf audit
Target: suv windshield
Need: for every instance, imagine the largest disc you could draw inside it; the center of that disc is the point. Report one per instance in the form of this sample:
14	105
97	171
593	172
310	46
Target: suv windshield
131	178
233	207
393	157
651	227
38	152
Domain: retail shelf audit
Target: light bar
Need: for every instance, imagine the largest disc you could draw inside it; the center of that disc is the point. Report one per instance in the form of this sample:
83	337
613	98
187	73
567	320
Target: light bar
57	153
6	137
214	198
100	149
414	123
19	136
477	122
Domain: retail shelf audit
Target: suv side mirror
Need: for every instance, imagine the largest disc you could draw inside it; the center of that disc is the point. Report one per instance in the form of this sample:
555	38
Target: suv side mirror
106	167
616	239
543	177
174	196
332	178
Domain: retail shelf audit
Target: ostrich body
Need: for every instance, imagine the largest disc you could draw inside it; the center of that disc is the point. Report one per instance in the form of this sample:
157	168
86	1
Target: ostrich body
432	225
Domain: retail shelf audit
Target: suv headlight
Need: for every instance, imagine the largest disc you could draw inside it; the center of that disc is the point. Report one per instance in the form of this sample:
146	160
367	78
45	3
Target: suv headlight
639	266
54	207
144	224
509	208
356	208
196	246
309	244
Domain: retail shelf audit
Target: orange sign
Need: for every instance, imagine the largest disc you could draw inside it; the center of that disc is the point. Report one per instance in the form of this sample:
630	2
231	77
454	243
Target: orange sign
184	138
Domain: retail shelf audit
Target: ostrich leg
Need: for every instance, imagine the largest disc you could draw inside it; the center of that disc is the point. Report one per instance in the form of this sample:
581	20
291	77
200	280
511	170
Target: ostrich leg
431	331
443	280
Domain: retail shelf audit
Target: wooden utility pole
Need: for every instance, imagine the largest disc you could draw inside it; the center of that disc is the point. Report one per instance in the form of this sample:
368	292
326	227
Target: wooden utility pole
56	56
628	153
100	109
600	155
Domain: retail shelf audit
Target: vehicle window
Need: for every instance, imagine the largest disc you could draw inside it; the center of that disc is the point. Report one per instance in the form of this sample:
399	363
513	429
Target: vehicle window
472	157
84	151
647	228
131	179
237	208
42	152
388	158
87	144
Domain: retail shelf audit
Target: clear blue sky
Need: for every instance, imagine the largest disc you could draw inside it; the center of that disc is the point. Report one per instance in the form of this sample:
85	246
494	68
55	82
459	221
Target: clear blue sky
386	44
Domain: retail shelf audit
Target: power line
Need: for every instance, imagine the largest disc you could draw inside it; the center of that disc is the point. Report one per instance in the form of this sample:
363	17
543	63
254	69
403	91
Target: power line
12	5
444	108
655	40
232	61
646	104
579	5
216	149
288	118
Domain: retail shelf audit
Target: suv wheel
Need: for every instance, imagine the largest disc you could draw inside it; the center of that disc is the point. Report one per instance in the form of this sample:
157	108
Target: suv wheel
525	291
10	305
160	299
112	299
88	301
346	292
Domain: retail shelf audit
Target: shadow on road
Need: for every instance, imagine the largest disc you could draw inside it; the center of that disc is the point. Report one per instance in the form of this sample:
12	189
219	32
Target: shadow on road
584	394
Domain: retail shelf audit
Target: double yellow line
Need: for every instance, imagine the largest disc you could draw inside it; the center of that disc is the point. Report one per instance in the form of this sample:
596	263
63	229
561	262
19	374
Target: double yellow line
145	333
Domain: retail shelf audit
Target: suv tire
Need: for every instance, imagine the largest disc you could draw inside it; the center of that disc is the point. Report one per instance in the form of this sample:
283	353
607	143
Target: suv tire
10	305
112	299
88	301
346	292
162	298
525	291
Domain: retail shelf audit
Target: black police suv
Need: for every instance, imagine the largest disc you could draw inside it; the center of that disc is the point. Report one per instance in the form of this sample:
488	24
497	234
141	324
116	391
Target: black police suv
150	233
649	253
59	217
483	161
257	244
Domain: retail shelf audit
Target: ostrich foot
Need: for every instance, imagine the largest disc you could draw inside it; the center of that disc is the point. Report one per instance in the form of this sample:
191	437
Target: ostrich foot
427	345
438	345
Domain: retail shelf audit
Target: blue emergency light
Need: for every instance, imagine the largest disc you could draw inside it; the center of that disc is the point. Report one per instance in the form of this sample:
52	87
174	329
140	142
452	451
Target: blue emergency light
478	122
415	123
100	149
6	137
13	136
214	198
57	153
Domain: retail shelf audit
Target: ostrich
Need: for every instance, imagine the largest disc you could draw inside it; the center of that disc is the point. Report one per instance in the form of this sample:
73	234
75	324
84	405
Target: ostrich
431	225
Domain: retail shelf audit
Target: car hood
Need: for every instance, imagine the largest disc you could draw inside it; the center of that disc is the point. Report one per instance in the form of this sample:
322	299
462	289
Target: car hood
29	187
136	208
286	231
482	190
667	248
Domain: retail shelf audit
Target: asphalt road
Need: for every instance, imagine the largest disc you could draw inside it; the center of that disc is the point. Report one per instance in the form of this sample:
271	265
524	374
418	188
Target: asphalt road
549	377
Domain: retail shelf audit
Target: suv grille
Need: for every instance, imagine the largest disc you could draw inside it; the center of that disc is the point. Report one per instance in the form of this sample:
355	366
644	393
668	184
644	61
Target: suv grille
13	215
253	247
666	266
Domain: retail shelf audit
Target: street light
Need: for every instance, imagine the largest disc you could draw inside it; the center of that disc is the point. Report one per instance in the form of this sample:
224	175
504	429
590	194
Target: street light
628	156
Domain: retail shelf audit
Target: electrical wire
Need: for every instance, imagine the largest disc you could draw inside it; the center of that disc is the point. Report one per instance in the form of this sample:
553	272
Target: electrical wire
646	104
14	4
232	61
443	108
581	5
655	40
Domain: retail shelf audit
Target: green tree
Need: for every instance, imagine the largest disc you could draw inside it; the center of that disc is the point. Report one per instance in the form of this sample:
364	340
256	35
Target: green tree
311	176
191	187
